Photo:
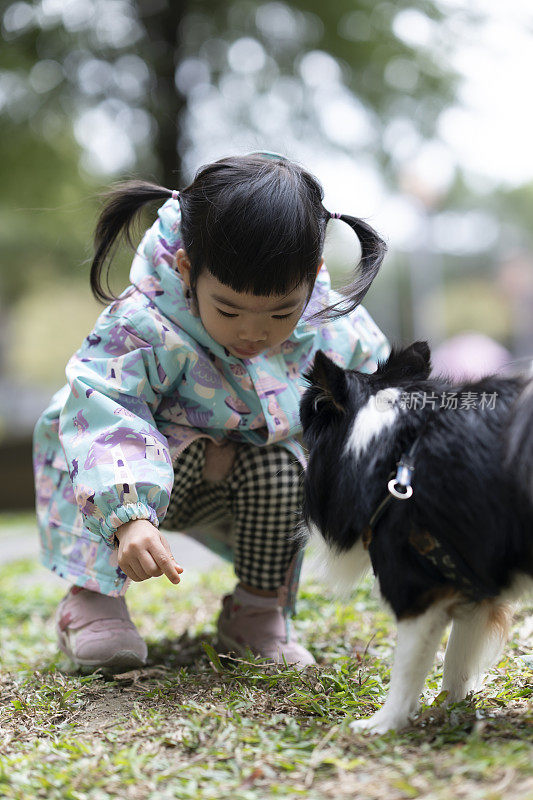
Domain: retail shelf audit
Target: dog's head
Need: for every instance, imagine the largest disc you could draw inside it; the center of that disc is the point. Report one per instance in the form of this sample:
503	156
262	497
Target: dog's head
350	449
335	395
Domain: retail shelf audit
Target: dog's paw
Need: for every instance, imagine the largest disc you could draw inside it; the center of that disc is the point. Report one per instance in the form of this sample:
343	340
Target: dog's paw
360	725
378	723
456	693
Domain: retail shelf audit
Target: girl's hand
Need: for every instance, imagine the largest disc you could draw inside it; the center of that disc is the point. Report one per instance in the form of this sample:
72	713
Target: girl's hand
219	460
145	553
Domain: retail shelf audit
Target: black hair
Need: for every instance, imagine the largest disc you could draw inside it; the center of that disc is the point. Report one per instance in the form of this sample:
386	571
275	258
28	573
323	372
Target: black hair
255	222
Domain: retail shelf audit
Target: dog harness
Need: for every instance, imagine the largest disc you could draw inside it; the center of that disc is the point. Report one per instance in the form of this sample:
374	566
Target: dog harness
446	560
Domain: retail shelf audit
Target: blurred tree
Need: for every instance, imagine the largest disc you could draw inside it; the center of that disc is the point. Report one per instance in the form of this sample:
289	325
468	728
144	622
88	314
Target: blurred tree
130	70
144	84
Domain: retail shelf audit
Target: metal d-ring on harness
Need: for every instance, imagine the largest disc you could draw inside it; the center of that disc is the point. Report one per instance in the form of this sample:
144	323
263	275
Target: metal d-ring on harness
399	487
405	470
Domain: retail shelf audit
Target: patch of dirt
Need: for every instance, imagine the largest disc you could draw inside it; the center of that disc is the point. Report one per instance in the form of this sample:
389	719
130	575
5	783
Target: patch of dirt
104	712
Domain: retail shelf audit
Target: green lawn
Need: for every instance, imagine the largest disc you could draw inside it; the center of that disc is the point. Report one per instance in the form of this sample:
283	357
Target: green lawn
189	726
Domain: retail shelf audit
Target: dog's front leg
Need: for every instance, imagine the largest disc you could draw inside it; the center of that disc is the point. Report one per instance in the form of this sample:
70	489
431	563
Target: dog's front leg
418	639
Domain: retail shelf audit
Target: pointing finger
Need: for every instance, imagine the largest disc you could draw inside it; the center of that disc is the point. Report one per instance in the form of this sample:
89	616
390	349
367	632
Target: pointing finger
166	545
165	561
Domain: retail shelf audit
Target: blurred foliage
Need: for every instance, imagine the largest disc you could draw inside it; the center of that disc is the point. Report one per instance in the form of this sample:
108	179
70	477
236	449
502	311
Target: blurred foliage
60	316
151	84
510	208
138	63
515	206
287	68
74	72
472	304
46	214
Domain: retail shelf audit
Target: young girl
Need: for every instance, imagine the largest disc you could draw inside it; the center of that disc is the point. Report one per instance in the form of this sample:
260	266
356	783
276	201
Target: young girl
181	406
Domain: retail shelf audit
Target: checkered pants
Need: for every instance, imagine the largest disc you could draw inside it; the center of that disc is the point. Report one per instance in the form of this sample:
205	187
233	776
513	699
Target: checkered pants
261	498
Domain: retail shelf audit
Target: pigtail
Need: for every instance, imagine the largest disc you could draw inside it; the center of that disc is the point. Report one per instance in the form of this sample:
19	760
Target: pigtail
373	250
124	203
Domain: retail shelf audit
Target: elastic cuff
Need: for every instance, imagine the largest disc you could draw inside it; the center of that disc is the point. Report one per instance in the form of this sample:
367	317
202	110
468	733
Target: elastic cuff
125	514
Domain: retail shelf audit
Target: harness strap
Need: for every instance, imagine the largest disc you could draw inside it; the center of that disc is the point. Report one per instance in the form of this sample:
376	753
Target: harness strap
451	565
446	560
374	519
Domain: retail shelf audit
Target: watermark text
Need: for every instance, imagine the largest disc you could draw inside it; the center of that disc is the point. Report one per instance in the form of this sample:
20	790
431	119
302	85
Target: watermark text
465	401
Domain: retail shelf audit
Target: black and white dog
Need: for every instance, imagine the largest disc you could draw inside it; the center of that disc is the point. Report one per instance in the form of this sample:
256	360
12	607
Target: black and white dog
448	533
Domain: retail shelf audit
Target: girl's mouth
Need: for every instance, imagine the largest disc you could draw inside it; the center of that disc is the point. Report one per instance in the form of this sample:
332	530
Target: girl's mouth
246	353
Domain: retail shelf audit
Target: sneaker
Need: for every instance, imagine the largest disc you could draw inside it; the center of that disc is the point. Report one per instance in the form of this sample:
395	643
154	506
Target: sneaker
95	630
260	628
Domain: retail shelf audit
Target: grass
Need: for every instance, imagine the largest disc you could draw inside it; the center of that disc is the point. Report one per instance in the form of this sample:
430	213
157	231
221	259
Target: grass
191	726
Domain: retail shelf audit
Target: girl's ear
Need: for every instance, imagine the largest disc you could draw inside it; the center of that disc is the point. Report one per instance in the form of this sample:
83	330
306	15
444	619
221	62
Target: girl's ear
184	266
331	381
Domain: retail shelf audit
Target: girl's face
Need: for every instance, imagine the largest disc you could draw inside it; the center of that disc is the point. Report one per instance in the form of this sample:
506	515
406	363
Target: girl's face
244	324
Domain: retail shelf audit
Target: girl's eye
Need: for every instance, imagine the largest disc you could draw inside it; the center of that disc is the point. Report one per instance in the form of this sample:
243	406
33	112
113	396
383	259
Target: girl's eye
232	316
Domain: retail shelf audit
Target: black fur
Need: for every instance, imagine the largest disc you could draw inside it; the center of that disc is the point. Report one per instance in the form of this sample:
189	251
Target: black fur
472	484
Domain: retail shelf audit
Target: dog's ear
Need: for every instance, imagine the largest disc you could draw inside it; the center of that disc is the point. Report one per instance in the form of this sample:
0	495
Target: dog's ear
330	379
411	362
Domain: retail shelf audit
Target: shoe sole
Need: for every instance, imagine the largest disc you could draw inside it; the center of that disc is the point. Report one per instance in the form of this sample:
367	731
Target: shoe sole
232	646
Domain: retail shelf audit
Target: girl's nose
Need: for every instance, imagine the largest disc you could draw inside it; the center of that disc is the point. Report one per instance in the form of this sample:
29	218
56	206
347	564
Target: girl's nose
253	334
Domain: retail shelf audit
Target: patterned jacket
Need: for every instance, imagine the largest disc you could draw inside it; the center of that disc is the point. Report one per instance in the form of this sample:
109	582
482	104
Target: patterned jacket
149	380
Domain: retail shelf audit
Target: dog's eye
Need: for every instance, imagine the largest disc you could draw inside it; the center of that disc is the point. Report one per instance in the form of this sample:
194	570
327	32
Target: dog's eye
317	400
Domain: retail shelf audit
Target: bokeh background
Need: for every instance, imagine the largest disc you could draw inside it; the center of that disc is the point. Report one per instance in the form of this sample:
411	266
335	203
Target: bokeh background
414	115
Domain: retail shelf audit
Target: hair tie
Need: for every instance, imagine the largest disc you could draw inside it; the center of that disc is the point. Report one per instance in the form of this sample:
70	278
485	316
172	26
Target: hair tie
175	194
269	154
334	215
